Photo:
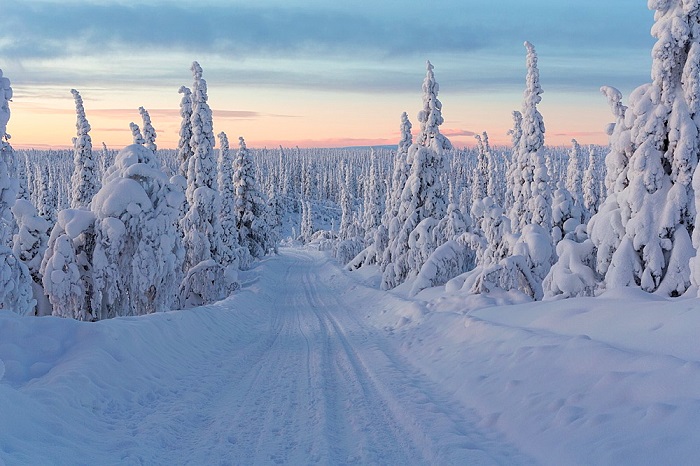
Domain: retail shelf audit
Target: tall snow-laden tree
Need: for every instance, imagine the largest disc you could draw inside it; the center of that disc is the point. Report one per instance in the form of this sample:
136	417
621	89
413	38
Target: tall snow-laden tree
137	262
205	280
15	280
531	212
184	148
656	207
149	132
201	223
85	179
531	145
423	197
606	228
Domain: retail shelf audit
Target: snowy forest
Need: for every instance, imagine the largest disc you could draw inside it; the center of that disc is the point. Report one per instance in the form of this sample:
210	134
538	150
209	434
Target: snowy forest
95	234
92	234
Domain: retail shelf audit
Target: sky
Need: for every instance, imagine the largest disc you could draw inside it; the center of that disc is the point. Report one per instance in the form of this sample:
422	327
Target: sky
317	73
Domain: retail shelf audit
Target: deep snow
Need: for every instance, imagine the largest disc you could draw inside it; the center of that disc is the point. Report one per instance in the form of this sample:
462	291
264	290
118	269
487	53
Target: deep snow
308	363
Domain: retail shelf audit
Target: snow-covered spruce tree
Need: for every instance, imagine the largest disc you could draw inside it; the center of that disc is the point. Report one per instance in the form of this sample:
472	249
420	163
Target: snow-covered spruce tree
567	212
204	280
106	159
184	148
307	227
574	173
400	173
656	207
22	178
531	217
345	206
149	132
350	233
513	173
85	179
480	172
373	199
605	228
32	237
15	280
422	199
430	117
137	262
47	204
250	208
372	220
591	194
227	218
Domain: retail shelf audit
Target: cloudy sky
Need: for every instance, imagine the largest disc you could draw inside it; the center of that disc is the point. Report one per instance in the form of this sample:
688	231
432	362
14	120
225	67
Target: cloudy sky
316	72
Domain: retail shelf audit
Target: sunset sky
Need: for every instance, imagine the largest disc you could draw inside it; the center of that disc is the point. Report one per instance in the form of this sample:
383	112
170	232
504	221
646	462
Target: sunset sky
316	73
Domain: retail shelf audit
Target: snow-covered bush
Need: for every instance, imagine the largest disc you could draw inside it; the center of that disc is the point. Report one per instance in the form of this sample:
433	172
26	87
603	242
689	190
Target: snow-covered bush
573	274
138	255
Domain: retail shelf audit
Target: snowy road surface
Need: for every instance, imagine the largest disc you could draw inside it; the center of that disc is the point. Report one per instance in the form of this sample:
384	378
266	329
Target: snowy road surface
285	371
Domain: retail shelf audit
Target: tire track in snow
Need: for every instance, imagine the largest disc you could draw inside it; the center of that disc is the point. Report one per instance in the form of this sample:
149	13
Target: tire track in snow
442	430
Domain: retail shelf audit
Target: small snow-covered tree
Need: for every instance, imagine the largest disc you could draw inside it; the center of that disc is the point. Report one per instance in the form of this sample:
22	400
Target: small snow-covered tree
400	172
307	228
32	237
591	191
149	132
66	267
85	179
136	135
373	199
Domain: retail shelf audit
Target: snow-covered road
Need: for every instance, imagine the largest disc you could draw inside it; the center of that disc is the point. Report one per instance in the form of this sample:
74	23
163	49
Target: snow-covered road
326	388
285	371
315	385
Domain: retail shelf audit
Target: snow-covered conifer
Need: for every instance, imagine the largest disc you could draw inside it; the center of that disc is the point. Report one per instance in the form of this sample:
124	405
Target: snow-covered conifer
227	219
373	198
201	222
250	207
430	117
32	237
591	194
149	132
85	179
184	148
422	196
15	280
